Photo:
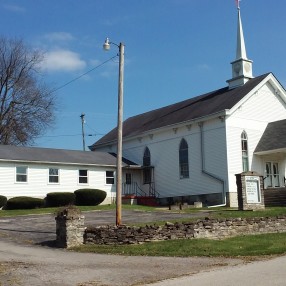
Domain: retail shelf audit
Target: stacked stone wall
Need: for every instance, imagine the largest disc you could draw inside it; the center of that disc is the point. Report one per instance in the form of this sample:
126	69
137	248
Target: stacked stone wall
207	228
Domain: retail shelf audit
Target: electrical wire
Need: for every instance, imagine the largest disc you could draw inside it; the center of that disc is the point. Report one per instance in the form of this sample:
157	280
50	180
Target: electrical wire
72	135
80	76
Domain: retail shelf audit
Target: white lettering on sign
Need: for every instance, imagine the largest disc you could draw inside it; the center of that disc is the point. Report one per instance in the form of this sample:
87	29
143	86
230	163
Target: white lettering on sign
252	189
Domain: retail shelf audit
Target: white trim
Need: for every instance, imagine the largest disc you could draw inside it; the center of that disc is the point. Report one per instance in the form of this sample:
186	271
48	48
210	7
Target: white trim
27	174
87	177
109	177
53	183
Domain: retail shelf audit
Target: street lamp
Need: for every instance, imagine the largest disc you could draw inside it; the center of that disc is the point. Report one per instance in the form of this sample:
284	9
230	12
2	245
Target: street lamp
106	47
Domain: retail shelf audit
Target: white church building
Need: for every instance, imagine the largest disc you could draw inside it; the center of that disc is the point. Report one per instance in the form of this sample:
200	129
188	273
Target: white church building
191	150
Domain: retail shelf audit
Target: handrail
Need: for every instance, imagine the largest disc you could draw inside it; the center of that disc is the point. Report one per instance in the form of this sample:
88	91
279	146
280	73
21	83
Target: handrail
132	189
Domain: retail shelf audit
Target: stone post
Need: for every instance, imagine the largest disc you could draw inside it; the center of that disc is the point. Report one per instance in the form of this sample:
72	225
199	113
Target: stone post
250	193
69	227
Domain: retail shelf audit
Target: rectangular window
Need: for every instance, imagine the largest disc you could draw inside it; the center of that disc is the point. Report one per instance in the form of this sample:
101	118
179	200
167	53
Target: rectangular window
184	170
21	174
272	175
147	175
128	179
109	177
82	177
53	175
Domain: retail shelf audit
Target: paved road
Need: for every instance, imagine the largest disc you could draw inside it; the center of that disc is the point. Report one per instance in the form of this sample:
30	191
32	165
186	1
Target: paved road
259	273
34	266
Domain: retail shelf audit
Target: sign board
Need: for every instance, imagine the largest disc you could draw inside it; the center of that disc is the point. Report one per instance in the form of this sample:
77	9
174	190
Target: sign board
252	189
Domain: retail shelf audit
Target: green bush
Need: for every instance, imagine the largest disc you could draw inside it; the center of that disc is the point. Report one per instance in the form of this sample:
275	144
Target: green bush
24	203
60	199
89	197
3	201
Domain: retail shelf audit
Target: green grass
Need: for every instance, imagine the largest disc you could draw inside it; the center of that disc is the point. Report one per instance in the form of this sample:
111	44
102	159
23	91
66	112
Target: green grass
221	212
5	213
240	246
232	213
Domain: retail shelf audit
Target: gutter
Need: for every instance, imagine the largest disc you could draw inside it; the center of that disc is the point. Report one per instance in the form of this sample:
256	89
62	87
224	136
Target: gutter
207	173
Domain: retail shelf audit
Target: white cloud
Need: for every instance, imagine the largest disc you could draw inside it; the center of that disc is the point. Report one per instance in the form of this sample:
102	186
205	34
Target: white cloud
63	60
15	8
59	36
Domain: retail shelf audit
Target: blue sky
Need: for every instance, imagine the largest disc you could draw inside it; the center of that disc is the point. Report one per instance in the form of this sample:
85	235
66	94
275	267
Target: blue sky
174	50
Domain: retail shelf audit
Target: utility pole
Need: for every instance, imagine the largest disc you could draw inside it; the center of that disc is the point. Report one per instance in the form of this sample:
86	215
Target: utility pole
82	130
119	136
106	47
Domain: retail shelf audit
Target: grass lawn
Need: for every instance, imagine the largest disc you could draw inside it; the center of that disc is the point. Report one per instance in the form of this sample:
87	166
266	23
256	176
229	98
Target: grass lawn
5	213
240	246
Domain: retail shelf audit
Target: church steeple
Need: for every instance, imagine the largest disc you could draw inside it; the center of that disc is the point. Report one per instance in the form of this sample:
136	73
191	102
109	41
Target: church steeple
241	66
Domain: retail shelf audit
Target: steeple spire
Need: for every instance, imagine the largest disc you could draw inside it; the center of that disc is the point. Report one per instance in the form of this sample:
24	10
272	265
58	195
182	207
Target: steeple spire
241	66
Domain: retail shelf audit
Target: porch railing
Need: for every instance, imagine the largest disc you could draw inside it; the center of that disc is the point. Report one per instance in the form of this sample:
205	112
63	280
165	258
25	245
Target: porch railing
152	191
134	189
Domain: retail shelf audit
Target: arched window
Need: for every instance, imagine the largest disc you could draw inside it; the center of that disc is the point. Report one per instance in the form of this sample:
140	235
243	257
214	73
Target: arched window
184	159
244	150
147	166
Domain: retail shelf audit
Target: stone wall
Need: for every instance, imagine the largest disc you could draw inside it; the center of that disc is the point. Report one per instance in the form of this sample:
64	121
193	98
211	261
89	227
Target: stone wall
207	228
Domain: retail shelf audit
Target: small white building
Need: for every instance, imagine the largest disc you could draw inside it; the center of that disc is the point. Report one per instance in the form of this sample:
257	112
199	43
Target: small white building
30	171
191	150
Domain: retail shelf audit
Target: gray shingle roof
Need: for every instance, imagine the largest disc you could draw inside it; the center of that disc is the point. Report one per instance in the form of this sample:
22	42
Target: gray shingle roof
273	138
190	109
38	155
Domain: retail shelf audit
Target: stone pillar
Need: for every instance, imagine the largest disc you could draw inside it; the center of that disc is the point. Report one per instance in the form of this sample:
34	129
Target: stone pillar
69	227
250	193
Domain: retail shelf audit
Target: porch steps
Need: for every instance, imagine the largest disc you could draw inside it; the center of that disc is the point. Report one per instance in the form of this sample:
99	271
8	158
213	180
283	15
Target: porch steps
147	201
275	197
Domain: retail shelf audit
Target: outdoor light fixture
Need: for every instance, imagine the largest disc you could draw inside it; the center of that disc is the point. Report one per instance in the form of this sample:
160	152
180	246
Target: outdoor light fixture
106	47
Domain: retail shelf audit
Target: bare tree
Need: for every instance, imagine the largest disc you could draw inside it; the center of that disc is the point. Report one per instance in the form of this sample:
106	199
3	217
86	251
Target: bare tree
26	104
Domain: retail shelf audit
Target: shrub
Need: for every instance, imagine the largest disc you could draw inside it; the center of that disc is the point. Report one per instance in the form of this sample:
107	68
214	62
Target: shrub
89	197
3	201
24	203
60	199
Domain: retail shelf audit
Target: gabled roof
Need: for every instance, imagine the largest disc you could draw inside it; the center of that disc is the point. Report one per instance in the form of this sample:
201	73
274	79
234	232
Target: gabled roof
190	109
55	156
273	138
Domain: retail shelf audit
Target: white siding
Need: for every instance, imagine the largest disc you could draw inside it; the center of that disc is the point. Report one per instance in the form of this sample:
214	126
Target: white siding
38	180
262	107
164	149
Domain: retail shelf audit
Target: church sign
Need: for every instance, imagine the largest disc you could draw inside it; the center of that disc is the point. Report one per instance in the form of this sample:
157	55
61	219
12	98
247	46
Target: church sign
250	194
252	189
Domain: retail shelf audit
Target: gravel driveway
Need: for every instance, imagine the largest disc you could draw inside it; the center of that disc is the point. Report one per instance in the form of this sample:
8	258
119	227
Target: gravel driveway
27	258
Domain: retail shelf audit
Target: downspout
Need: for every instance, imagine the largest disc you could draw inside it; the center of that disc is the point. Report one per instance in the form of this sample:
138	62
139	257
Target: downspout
211	175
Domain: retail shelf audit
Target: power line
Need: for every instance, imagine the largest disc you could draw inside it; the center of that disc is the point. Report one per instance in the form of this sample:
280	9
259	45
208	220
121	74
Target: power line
75	79
71	135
